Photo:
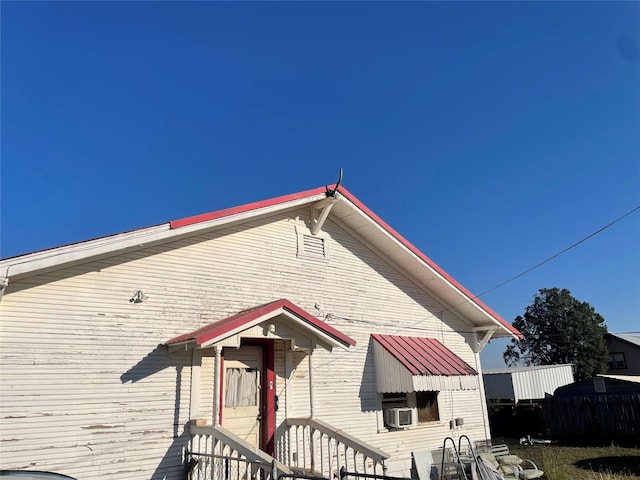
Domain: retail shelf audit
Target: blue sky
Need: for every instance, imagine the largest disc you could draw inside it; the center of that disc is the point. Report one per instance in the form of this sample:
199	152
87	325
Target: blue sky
492	135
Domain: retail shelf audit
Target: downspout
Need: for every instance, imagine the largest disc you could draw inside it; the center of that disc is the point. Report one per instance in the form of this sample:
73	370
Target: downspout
311	409
483	398
217	375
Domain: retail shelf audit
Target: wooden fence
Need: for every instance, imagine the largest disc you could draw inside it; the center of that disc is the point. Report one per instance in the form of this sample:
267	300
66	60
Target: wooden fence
595	416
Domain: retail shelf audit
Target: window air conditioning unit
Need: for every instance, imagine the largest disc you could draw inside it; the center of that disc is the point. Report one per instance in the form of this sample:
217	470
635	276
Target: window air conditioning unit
398	417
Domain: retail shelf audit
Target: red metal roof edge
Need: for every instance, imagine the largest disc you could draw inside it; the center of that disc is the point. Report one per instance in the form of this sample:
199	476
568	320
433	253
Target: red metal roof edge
308	193
224	325
220	327
182	222
244	208
462	367
427	260
344	192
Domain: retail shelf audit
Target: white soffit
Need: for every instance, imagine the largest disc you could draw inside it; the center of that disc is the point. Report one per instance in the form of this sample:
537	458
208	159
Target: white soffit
112	244
358	221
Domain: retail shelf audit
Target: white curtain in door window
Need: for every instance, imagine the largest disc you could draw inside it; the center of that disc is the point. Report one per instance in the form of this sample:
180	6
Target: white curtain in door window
241	387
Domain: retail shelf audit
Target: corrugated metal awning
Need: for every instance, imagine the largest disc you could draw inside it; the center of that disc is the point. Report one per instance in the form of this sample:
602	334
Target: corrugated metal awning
415	364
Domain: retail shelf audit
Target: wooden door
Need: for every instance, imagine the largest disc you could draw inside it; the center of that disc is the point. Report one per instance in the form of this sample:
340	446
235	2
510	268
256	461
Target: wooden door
241	393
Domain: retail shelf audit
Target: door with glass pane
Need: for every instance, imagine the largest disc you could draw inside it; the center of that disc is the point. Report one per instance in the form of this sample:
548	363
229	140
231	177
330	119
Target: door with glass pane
241	392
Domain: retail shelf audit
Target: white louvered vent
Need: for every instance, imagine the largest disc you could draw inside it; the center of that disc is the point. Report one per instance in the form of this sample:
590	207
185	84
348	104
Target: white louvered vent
313	246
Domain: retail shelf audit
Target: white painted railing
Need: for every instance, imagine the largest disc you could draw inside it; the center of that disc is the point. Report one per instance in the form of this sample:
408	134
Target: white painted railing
314	448
317	448
217	454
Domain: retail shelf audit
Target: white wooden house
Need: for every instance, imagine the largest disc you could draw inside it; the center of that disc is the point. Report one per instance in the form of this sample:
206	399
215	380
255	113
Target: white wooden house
300	331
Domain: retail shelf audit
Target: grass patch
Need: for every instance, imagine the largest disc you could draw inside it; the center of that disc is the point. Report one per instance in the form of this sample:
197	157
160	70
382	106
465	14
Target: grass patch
583	463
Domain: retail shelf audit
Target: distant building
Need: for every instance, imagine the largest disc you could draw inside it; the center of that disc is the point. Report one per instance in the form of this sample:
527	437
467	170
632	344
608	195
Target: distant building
515	385
624	353
516	397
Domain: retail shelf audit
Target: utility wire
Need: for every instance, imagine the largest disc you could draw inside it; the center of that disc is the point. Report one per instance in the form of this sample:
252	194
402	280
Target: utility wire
550	258
412	326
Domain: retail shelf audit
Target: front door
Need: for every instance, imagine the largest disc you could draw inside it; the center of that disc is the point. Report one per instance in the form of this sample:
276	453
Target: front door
241	392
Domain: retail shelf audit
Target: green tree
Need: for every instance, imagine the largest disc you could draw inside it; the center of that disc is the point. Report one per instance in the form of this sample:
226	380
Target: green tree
558	329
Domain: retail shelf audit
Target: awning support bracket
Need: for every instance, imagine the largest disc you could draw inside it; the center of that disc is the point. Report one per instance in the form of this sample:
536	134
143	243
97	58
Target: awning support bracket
482	338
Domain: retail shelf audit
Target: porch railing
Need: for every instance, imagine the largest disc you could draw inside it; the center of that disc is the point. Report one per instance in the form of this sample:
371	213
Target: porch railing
217	454
314	447
321	449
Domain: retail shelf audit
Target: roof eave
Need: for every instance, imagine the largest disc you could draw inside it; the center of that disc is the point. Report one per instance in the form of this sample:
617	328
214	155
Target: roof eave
41	260
218	331
466	298
53	258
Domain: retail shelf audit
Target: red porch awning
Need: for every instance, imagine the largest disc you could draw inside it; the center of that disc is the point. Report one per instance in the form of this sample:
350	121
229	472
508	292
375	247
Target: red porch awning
244	320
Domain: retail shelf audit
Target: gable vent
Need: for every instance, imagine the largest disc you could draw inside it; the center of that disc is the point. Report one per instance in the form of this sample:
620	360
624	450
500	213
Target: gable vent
314	246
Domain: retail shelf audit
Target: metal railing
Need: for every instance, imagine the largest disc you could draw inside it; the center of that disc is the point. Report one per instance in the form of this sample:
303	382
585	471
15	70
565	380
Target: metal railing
299	476
318	448
370	476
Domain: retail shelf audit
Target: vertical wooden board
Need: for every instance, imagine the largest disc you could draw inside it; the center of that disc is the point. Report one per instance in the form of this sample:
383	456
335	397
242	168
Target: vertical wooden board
206	386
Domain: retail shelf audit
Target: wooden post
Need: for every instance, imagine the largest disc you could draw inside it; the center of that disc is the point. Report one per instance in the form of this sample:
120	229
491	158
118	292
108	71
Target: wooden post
217	375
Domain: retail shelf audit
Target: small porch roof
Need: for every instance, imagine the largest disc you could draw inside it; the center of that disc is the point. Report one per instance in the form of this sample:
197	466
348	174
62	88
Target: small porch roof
410	364
222	329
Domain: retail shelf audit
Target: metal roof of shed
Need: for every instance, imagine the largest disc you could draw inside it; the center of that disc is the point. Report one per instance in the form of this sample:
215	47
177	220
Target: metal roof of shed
526	383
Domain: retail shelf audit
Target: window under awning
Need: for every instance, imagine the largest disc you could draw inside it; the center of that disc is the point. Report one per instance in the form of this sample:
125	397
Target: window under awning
415	364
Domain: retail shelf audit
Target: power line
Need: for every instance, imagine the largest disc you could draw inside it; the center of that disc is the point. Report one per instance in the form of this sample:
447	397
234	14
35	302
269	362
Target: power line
420	321
610	224
413	326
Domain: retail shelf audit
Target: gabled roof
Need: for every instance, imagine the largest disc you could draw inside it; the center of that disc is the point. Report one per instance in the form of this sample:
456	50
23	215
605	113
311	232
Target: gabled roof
224	328
346	210
633	338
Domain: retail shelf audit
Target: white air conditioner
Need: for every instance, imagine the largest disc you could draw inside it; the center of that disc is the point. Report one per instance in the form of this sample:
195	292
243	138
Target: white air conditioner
398	417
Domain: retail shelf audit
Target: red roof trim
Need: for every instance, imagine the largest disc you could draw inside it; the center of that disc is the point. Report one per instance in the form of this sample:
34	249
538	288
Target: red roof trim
344	192
424	356
240	319
244	208
427	260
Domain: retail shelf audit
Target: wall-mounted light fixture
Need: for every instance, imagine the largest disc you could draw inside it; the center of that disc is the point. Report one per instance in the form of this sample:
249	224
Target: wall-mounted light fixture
138	297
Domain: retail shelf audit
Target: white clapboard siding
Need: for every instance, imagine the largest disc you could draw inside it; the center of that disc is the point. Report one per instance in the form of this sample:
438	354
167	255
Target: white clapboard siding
206	387
83	376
